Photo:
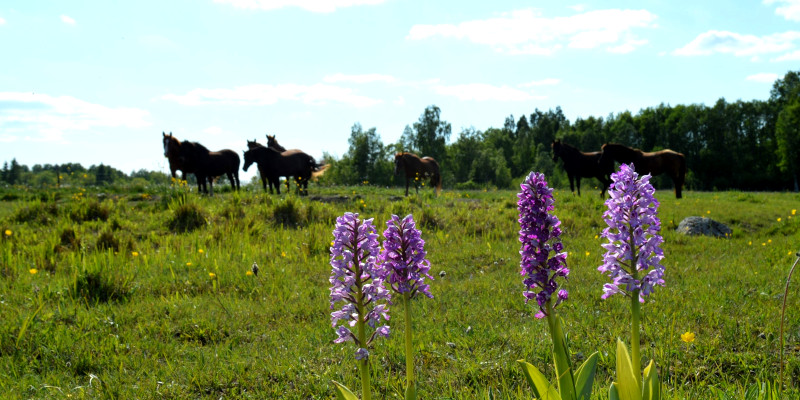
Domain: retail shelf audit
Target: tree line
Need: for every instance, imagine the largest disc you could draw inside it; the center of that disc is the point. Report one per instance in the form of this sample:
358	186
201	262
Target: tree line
744	145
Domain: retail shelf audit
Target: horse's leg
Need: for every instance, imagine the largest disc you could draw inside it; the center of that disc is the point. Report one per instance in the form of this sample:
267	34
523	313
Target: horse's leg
264	184
578	184
571	183
406	186
211	185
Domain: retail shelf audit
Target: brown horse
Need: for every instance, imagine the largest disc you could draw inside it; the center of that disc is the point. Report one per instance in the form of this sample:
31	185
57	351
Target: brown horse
418	168
271	142
273	164
208	165
582	165
172	148
665	161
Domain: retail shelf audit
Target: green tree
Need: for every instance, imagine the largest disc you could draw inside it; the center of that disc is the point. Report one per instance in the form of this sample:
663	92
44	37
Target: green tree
787	135
431	134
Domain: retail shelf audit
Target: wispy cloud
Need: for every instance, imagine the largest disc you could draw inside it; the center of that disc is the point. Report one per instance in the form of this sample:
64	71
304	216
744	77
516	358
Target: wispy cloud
67	20
484	92
763	78
789	9
365	78
53	116
2	21
256	95
529	32
724	42
321	6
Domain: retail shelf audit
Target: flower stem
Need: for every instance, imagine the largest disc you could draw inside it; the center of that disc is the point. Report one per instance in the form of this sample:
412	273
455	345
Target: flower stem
566	381
363	364
411	382
636	358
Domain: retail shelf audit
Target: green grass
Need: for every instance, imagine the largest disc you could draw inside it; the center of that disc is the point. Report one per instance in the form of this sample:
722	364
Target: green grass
144	319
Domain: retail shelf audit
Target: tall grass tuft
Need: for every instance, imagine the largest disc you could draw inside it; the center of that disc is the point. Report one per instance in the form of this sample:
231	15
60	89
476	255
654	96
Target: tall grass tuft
186	218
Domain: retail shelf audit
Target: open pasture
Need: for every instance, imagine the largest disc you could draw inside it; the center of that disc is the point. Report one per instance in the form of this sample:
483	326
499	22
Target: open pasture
146	294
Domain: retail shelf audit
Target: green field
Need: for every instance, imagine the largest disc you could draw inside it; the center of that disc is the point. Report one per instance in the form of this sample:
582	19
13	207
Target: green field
111	295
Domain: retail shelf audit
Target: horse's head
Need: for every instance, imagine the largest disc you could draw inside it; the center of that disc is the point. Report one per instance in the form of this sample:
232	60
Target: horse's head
170	143
398	161
248	158
556	146
272	143
252	145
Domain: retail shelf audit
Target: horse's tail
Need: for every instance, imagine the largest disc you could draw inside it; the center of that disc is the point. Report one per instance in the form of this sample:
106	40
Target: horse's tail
318	170
681	181
437	176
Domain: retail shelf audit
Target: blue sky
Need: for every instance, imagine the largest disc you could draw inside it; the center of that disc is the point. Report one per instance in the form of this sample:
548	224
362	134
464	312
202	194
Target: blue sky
98	81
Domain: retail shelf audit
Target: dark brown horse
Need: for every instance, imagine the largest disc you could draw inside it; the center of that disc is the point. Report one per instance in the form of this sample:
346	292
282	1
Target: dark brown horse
273	164
172	150
418	168
665	161
582	165
271	142
208	165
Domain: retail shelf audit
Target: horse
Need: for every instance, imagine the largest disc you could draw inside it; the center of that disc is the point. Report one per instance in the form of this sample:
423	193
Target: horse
273	164
582	165
271	142
208	165
418	168
665	161
172	152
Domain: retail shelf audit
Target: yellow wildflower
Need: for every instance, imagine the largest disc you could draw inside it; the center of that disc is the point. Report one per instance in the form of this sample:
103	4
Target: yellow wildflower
283	254
794	212
688	337
189	264
135	253
212	275
200	251
33	271
249	273
779	219
8	232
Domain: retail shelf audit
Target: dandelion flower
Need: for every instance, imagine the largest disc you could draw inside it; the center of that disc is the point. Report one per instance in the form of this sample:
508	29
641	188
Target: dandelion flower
212	275
587	254
135	253
283	254
794	212
8	232
688	337
779	219
200	251
189	264
249	273
33	271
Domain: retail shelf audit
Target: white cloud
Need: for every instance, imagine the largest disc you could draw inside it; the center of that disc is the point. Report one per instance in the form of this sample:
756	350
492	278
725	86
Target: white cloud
763	78
483	92
365	78
740	45
790	10
322	6
67	20
2	21
792	56
53	116
543	82
528	32
257	95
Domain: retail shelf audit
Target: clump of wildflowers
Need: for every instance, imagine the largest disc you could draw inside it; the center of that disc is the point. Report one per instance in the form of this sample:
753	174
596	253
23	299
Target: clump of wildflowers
357	279
633	236
540	236
404	257
543	262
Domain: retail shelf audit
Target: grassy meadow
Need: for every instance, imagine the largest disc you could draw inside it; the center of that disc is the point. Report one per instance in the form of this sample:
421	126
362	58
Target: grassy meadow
145	293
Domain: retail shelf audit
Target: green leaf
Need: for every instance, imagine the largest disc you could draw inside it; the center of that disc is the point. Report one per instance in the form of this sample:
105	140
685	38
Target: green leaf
542	389
584	377
613	393
651	386
566	382
411	392
343	393
626	380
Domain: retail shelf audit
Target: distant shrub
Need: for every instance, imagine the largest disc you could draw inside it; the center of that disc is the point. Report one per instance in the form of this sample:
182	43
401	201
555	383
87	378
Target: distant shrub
107	241
68	241
287	213
97	287
186	218
37	212
91	210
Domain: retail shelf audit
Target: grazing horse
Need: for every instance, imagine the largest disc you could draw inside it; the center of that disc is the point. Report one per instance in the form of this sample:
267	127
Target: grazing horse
273	144
582	165
418	168
665	161
208	165
172	150
273	164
